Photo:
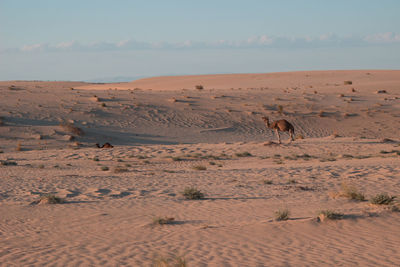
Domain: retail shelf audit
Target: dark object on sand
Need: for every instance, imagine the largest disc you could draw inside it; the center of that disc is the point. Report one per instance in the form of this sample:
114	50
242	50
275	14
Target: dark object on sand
106	145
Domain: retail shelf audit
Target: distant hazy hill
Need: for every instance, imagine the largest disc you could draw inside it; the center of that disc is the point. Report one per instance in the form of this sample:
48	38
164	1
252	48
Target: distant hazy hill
116	79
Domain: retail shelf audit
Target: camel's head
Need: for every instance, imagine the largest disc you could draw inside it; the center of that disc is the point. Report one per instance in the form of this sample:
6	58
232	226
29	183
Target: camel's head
266	120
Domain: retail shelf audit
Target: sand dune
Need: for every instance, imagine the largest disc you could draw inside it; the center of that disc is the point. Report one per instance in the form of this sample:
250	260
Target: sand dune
166	139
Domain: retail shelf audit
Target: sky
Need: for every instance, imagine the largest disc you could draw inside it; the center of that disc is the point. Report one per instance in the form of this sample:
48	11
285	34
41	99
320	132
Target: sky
104	40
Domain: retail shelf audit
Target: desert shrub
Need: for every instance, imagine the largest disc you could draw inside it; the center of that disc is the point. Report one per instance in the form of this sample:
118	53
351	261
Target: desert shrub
176	261
329	214
268	182
192	193
199	87
69	127
163	220
119	169
243	154
199	167
282	215
382	199
8	163
50	199
104	168
176	158
347	82
347	156
352	192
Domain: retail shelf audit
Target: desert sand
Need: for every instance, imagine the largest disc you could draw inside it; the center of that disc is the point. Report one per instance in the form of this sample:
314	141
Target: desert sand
203	132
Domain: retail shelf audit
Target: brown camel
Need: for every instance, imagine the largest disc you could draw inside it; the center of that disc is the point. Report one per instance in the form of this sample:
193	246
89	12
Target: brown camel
280	125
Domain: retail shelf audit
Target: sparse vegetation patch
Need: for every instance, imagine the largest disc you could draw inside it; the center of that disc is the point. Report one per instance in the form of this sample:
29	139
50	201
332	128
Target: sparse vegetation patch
243	154
70	127
49	199
163	220
282	215
351	192
330	215
382	199
176	261
199	168
192	193
8	163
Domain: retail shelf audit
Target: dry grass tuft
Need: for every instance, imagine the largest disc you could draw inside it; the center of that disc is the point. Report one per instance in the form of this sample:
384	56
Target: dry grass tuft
7	163
282	215
192	193
329	215
70	127
163	220
119	169
382	199
199	87
49	199
347	82
351	192
199	168
176	261
243	154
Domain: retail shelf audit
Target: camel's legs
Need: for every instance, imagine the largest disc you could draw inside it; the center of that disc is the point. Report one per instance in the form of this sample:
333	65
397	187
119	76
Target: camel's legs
291	135
279	138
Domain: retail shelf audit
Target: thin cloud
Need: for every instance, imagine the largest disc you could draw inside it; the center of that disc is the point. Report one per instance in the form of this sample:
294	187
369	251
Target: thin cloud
261	41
